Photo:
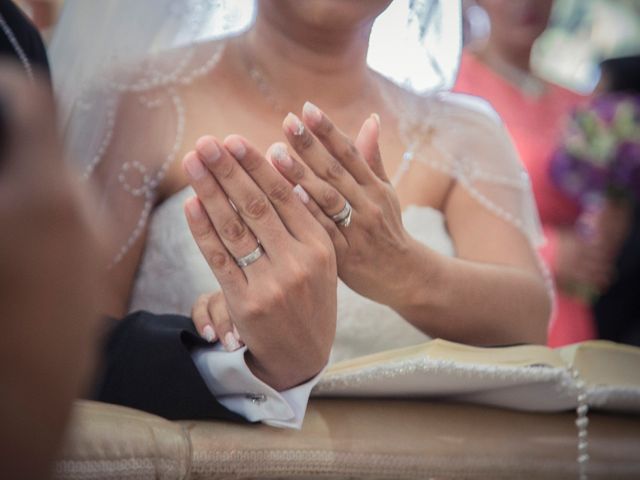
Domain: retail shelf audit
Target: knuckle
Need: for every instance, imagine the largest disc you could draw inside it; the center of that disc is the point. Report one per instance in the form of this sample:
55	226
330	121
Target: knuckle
221	325
348	151
217	259
326	128
226	170
335	170
326	253
251	163
330	199
201	230
323	251
376	214
257	207
207	189
297	274
297	172
277	297
280	192
253	309
233	230
305	141
203	299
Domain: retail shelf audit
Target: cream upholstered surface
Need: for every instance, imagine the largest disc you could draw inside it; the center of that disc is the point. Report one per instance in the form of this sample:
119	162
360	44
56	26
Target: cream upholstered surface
109	441
349	439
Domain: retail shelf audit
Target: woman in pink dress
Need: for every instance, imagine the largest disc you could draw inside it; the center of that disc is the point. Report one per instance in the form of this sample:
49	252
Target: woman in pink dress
534	112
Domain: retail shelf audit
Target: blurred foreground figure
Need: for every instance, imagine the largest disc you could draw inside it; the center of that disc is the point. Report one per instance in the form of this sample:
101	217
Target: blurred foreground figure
535	112
20	39
49	283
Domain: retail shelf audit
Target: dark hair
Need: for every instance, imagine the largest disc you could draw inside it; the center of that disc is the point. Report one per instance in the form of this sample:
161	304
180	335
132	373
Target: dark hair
622	74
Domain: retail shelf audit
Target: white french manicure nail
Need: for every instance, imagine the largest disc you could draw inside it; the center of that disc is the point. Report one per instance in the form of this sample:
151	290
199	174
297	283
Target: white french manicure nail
293	124
209	334
301	194
279	153
376	117
312	112
230	342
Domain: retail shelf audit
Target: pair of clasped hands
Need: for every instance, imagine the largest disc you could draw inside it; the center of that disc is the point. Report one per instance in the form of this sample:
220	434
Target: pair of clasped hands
282	304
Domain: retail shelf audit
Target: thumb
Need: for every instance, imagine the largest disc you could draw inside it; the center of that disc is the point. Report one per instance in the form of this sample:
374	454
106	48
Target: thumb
367	143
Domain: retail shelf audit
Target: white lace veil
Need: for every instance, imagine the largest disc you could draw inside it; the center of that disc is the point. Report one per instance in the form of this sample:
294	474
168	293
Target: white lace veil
121	59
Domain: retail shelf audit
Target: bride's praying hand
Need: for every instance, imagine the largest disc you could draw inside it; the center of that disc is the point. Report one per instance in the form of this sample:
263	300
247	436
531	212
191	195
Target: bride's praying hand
282	293
345	186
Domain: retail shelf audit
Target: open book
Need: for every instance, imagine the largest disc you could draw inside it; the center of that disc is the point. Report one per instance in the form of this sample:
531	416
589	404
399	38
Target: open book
526	377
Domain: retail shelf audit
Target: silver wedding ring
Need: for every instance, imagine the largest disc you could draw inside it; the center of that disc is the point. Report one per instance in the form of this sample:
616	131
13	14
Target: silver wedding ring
251	257
343	217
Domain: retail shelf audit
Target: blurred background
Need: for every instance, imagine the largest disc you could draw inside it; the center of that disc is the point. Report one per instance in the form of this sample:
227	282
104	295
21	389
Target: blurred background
581	34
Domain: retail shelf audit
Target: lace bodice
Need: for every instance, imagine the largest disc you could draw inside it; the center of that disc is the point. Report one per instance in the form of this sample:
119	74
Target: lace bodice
173	273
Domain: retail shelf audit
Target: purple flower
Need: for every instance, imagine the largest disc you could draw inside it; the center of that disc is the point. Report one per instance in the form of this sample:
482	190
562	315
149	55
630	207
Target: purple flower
600	154
576	178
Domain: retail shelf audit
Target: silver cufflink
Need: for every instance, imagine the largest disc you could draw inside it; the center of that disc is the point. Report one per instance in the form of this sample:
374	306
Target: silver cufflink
256	397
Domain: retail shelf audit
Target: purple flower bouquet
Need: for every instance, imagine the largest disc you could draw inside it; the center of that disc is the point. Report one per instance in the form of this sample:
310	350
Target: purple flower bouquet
600	154
598	165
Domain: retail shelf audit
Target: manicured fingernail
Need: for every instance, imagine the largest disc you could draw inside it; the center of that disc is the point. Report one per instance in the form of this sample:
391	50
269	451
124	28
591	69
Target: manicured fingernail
312	112
278	152
208	333
376	117
194	167
301	194
230	342
194	209
208	148
236	147
293	124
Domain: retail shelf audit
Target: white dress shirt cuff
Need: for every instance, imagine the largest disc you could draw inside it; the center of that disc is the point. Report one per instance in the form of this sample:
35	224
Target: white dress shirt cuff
230	380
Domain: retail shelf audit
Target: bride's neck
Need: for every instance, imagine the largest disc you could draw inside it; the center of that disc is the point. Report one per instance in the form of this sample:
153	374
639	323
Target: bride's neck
328	68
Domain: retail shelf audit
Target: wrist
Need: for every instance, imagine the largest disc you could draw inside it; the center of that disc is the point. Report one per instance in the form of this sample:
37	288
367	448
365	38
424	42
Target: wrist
278	378
418	287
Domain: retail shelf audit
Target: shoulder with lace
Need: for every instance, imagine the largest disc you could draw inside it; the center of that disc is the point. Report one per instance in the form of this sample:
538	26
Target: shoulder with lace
463	136
137	113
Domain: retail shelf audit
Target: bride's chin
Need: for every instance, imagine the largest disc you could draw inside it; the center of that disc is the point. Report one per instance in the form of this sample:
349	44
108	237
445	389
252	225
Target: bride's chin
326	14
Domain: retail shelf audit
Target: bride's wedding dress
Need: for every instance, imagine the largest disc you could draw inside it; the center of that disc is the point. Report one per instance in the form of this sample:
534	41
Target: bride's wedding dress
106	100
451	133
173	273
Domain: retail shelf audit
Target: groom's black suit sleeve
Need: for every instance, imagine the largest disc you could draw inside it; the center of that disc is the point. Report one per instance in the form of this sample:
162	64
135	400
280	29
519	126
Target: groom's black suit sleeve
146	364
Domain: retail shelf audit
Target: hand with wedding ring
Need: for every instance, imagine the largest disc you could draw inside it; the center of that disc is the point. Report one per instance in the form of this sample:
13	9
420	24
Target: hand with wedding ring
349	193
275	264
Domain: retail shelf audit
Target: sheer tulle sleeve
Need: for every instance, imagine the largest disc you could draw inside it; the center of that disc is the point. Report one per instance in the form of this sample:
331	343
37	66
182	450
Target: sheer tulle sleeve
137	120
464	137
